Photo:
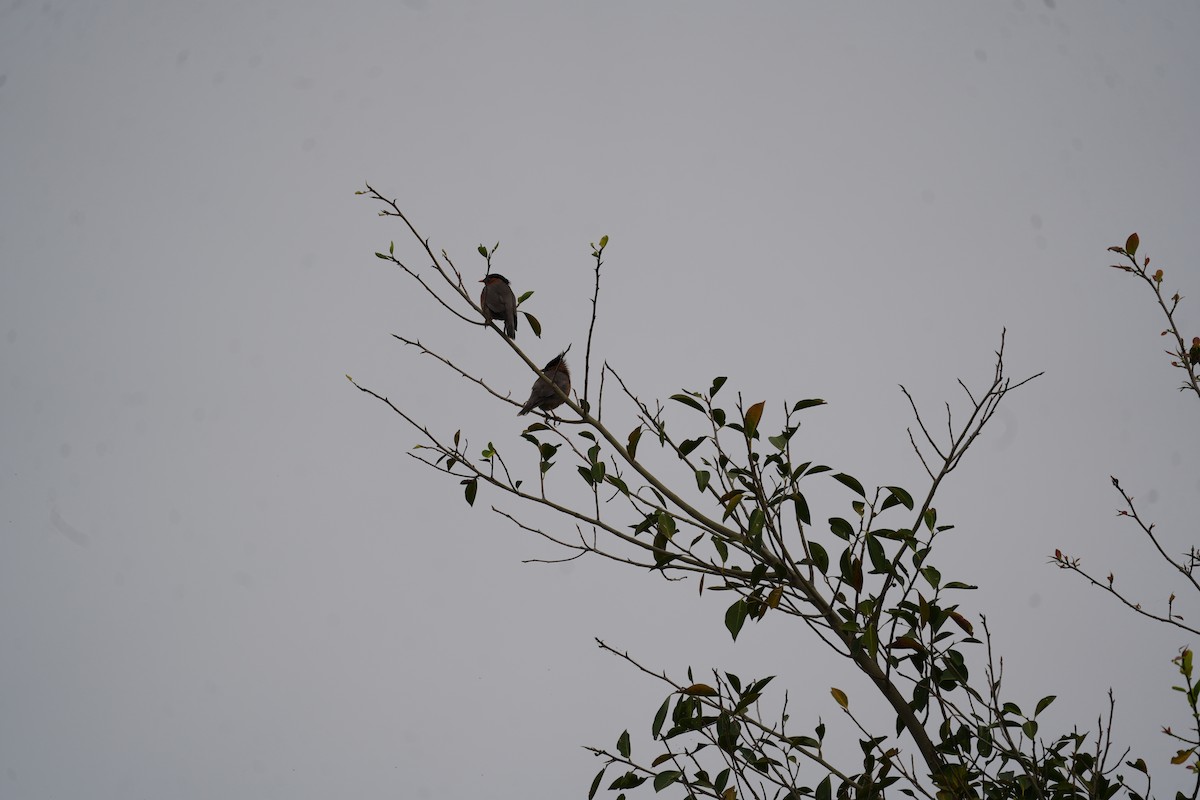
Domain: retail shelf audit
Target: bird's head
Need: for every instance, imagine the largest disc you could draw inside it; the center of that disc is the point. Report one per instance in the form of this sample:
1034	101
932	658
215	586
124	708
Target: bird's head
494	278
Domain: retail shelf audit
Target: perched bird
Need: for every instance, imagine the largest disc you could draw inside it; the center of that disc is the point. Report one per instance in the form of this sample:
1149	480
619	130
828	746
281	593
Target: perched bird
543	395
1193	351
498	302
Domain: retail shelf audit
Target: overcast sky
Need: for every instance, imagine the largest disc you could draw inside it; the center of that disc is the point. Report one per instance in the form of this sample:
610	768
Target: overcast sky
221	575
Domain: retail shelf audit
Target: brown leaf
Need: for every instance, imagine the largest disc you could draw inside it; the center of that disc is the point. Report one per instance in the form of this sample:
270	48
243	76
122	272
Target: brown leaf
963	623
753	415
907	643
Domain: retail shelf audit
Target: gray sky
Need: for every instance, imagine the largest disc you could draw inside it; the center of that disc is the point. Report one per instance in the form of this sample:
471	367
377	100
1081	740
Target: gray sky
220	573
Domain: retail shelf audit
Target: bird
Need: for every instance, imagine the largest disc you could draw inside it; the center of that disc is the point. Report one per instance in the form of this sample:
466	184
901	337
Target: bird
543	396
498	302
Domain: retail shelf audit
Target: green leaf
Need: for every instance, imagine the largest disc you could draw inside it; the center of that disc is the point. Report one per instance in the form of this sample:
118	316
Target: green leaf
483	251
596	782
801	504
731	501
851	482
690	445
662	556
623	744
870	640
840	697
780	442
627	781
753	415
534	325
1030	729
758	521
664	779
660	718
645	524
688	401
524	297
586	472
900	496
932	576
819	557
735	617
391	248
1131	244
716	386
824	790
635	436
803	741
807	404
1043	703
879	561
381	255
841	528
702	478
604	241
721	548
617	482
472	487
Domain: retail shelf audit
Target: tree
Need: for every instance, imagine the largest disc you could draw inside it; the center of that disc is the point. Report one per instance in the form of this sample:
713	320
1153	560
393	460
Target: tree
726	505
1186	358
